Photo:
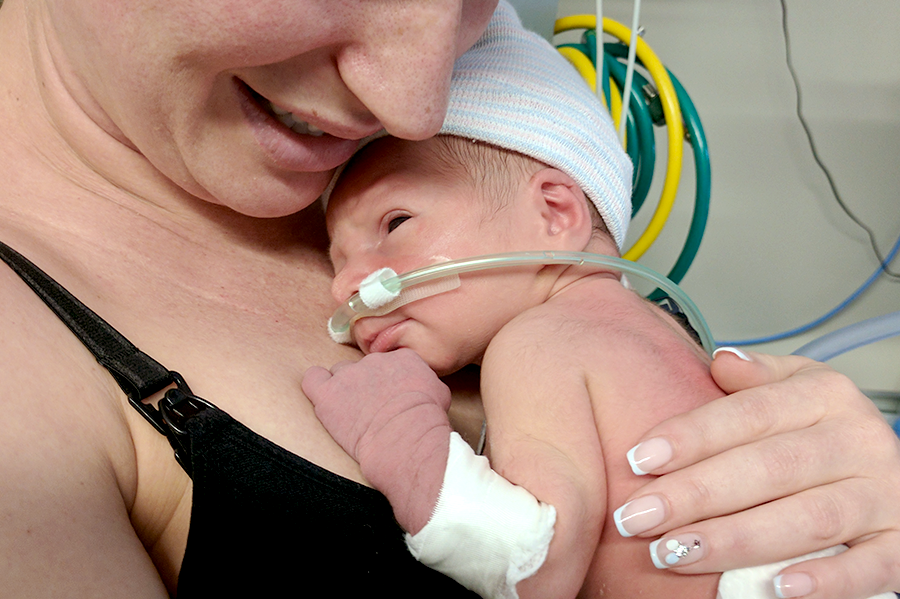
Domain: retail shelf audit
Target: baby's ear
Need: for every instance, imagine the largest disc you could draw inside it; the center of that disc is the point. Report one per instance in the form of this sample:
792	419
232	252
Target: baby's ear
564	213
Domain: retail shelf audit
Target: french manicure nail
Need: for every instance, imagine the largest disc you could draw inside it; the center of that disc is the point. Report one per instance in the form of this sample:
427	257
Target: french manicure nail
732	350
648	456
679	550
793	585
639	515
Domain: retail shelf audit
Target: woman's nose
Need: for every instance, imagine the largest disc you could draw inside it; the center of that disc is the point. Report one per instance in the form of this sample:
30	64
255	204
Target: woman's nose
402	72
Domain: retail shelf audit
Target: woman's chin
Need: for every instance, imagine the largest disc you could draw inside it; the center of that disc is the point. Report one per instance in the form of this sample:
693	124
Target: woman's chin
276	198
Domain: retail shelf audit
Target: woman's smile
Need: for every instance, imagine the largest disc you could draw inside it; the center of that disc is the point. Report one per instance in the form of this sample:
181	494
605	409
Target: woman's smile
294	144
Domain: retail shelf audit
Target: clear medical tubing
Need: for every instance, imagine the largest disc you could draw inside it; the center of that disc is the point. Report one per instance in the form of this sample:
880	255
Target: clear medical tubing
671	110
850	337
354	308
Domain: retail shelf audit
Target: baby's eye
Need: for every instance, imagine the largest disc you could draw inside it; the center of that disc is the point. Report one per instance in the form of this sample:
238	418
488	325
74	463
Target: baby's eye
396	222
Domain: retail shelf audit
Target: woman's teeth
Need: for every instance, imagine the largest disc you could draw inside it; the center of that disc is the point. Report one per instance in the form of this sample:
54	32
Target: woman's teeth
296	126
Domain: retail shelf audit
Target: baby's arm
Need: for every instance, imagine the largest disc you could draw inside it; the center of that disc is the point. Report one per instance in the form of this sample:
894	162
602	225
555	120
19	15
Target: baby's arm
543	436
389	412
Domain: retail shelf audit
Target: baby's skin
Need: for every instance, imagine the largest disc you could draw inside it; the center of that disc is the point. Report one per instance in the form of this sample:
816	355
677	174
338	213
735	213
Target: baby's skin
564	385
574	366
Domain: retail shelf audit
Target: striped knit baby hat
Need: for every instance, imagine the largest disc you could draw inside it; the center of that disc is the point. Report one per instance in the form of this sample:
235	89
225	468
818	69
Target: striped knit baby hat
514	90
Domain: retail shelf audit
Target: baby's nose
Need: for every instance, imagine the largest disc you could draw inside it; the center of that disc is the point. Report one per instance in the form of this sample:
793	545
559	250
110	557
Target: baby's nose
346	282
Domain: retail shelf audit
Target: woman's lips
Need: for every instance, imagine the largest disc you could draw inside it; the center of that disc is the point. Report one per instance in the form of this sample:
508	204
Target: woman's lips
286	148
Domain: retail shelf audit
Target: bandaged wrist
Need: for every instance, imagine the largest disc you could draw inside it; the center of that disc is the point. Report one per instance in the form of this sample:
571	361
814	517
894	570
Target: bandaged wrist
485	532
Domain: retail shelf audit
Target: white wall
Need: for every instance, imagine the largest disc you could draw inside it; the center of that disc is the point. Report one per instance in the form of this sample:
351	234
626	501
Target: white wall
778	251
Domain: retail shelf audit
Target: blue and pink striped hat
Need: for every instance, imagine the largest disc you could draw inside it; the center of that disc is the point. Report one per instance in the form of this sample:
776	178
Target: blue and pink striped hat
514	90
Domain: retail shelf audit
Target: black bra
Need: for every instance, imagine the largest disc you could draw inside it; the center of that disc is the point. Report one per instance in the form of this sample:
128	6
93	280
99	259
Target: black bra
264	521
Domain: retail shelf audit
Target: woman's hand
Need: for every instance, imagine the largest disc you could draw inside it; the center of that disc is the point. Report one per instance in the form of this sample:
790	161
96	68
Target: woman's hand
796	459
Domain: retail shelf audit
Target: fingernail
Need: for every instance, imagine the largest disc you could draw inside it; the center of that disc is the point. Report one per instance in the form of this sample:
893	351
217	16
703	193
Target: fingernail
793	585
678	550
639	515
732	350
648	456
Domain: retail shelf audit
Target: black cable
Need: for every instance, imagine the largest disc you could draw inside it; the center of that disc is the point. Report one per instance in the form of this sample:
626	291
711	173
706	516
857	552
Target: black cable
812	146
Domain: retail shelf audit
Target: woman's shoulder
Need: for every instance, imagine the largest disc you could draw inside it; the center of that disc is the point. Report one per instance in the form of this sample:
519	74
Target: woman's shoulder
67	459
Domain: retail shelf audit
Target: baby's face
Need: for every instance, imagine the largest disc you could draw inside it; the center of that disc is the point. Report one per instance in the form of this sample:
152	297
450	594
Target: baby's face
393	209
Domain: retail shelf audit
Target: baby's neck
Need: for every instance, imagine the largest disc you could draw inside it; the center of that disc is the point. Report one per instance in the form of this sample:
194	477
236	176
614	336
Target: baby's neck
572	275
602	243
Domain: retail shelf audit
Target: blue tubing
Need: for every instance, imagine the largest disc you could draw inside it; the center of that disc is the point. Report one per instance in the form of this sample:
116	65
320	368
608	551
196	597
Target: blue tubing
850	337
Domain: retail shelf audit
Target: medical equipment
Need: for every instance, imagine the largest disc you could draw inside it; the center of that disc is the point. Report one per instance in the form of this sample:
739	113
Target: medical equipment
354	308
644	105
850	337
638	110
671	111
827	316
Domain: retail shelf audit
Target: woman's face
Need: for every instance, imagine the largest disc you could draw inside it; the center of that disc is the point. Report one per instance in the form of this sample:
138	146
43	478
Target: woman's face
197	86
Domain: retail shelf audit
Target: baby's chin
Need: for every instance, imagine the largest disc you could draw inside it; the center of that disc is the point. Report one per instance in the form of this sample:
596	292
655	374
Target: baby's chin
446	365
443	361
442	365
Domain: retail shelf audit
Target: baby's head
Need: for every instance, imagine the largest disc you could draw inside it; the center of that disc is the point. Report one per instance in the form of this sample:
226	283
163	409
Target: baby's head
490	200
404	205
527	154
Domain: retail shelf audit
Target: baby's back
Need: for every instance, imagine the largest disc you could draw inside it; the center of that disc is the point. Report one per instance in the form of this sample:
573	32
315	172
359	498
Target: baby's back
641	368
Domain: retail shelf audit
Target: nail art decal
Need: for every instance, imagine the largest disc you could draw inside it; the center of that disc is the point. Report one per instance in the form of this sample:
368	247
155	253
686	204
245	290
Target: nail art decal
682	550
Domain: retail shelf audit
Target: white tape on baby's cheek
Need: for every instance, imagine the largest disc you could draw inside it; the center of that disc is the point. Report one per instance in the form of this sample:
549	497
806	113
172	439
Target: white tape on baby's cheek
485	533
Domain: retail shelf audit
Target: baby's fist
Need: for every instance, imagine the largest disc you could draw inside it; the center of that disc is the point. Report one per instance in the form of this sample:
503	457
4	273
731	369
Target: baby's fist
355	401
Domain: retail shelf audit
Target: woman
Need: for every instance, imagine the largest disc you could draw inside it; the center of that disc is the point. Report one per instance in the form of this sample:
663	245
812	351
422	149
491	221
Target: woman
147	172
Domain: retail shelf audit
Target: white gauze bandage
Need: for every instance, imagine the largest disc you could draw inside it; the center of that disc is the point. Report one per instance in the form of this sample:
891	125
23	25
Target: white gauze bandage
486	533
756	582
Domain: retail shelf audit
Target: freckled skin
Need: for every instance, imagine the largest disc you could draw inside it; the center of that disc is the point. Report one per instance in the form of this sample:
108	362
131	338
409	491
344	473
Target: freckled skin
135	173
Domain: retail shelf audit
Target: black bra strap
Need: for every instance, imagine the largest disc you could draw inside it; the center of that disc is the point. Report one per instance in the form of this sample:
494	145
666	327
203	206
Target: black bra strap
139	375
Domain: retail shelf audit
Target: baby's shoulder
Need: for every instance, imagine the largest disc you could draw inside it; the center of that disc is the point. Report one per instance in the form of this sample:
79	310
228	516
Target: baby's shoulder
580	314
609	329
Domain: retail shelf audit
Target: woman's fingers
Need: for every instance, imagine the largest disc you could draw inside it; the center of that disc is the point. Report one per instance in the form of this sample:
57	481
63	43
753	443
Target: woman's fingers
795	460
868	568
735	369
792	526
811	395
760	472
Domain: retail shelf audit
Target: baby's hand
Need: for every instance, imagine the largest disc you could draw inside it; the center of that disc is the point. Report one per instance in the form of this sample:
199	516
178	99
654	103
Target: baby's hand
357	400
389	412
